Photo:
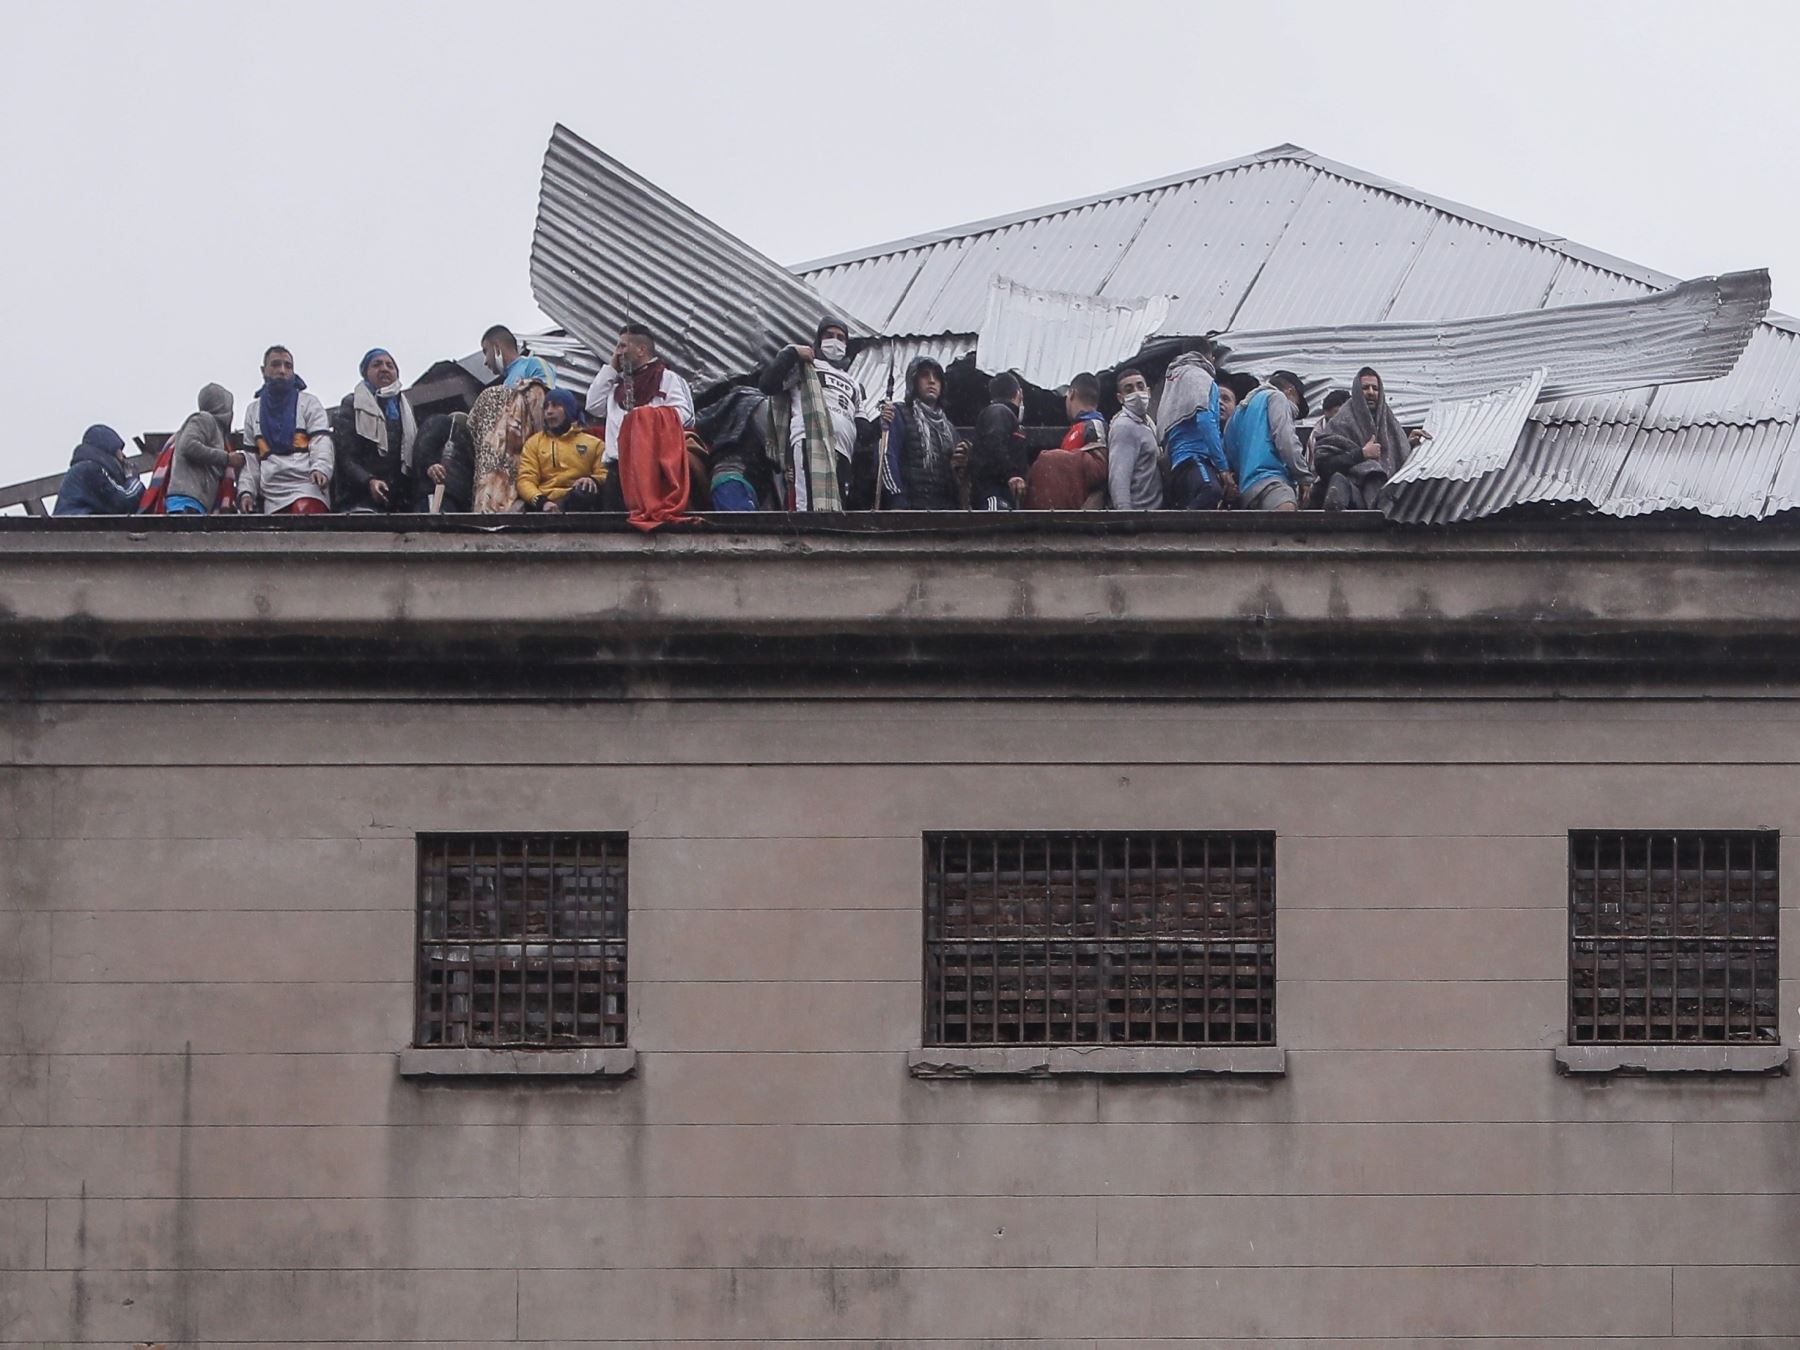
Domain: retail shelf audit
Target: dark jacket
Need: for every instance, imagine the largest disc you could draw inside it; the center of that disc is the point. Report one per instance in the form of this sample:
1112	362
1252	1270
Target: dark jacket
361	461
922	484
97	484
734	427
449	440
999	455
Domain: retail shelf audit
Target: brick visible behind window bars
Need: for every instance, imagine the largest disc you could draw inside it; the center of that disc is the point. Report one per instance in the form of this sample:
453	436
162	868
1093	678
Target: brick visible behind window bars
1094	939
521	940
1672	936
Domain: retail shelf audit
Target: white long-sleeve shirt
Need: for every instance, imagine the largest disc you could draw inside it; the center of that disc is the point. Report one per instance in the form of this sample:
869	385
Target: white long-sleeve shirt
281	480
674	393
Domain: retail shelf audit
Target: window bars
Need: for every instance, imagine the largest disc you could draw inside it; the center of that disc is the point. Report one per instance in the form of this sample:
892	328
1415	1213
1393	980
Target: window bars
1672	936
521	940
1099	939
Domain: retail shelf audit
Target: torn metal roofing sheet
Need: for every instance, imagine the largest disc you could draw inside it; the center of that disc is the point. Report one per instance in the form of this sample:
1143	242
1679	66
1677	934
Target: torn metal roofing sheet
1049	336
611	247
1693	331
1474	436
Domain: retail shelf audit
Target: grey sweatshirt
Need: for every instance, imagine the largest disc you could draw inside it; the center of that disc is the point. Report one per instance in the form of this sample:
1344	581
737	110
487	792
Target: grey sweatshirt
1133	477
201	449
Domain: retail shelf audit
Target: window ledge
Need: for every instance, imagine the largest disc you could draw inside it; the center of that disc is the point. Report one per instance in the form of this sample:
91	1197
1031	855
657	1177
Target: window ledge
608	1062
1604	1059
1113	1061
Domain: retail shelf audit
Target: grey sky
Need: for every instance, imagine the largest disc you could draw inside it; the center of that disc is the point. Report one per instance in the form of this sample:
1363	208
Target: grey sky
187	182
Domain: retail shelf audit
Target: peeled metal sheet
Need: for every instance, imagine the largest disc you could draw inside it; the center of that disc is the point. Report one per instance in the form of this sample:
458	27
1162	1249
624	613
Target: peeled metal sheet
1472	437
1717	470
1570	465
610	247
1050	336
1694	331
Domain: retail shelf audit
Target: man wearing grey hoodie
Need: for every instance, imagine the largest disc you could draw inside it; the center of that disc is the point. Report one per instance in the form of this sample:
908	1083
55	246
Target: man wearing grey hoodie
203	455
1133	474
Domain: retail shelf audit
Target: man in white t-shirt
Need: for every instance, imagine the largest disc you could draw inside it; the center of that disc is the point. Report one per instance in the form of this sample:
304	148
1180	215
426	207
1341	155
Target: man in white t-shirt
829	357
636	377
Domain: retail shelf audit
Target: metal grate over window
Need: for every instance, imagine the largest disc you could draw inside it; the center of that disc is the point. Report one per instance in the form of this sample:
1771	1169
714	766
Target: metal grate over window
521	940
1672	936
1096	939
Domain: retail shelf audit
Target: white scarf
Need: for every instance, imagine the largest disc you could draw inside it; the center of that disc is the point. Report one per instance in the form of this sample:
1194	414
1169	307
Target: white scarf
372	423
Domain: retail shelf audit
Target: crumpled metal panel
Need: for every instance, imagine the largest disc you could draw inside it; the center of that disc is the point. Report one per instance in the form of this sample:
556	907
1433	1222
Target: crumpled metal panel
1717	470
1763	386
880	367
1696	330
1582	283
1571	464
1472	437
611	247
1049	336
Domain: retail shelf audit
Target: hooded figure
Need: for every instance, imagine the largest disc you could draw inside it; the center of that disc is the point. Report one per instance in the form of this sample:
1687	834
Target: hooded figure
1360	447
98	483
202	470
1192	437
919	460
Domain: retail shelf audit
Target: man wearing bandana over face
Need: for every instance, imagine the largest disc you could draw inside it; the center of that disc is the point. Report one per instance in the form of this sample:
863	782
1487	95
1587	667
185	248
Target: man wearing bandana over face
375	436
290	473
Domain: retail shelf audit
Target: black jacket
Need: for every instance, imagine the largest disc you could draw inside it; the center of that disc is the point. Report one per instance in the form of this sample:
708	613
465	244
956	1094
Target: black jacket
998	455
361	462
449	440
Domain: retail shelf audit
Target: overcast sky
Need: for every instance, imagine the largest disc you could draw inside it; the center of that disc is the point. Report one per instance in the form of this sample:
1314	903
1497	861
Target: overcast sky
188	182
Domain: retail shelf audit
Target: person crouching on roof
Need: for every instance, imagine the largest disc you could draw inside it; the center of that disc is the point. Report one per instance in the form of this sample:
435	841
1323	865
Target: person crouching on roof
1361	448
636	377
97	482
921	459
376	440
291	473
1072	476
1263	449
204	458
560	468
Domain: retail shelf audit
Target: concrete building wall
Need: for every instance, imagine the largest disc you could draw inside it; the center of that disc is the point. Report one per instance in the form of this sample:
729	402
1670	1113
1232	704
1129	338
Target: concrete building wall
206	926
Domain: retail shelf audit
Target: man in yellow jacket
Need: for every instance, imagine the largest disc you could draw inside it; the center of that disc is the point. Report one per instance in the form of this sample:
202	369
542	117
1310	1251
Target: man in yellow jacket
560	468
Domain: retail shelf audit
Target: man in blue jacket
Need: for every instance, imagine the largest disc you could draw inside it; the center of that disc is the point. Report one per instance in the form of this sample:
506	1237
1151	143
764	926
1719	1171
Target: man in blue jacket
1264	449
98	483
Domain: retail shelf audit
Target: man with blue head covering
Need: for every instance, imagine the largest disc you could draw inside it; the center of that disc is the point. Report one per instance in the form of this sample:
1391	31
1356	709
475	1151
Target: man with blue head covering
563	467
376	436
98	483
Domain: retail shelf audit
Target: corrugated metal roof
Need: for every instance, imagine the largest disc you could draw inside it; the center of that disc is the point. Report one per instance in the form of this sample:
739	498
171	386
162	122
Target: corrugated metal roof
1472	437
1695	330
880	367
1048	336
611	247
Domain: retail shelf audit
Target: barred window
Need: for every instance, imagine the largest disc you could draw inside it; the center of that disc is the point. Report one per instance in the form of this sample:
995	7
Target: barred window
521	940
1672	936
1094	939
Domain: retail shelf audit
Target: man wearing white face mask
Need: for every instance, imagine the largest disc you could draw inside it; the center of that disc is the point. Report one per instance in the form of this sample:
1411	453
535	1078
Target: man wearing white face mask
1133	476
829	359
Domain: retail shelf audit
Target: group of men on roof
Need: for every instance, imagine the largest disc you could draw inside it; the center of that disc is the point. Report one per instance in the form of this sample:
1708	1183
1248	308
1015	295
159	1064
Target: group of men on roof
795	438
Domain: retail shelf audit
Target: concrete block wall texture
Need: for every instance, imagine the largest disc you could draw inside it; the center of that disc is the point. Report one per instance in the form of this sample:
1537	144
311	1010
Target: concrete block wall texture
206	964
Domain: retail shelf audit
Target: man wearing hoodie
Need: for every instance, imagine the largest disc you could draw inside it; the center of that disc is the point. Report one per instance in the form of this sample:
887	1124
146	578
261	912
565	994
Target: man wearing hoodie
97	482
1360	448
1263	448
203	456
376	440
1133	474
829	360
922	461
291	474
1199	479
